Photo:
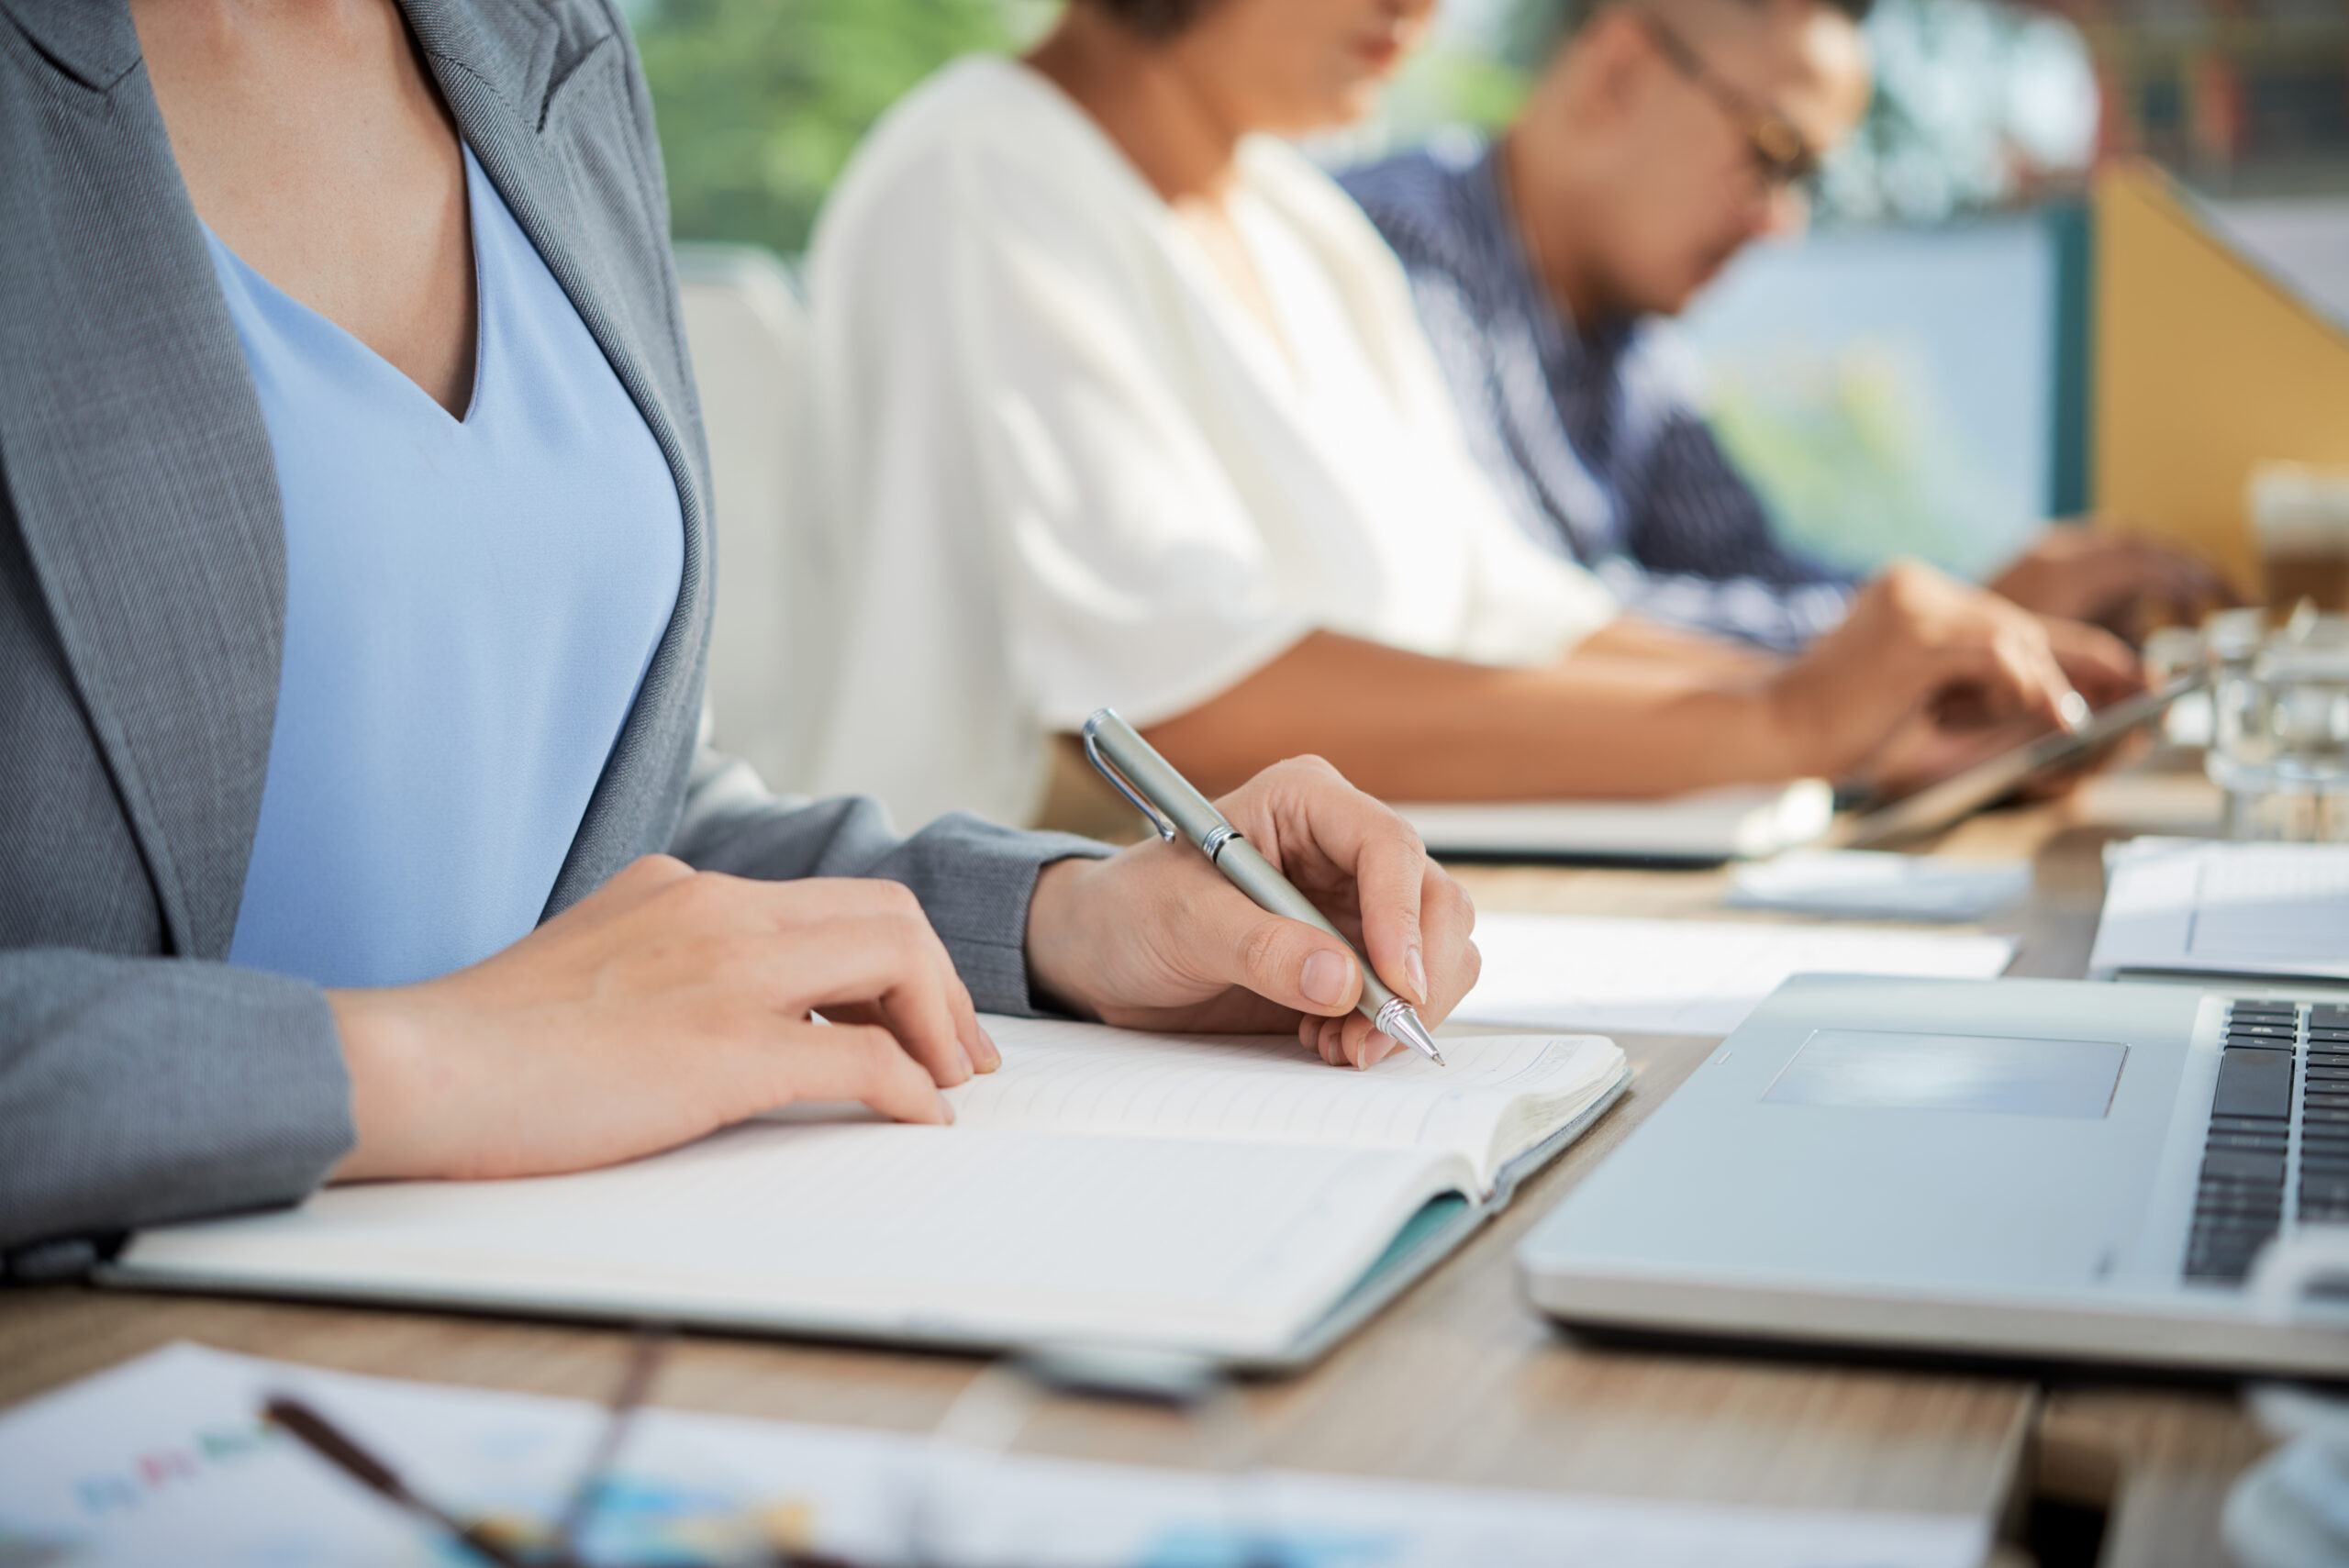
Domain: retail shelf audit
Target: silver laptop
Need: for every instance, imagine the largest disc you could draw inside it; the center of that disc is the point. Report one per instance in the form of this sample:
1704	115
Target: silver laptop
2033	1168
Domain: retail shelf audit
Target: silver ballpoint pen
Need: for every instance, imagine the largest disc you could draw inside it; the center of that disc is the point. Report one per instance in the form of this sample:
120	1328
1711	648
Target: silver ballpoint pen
1134	767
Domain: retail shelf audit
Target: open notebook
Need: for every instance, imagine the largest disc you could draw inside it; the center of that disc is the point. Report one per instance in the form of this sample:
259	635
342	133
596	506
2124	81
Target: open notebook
1232	1198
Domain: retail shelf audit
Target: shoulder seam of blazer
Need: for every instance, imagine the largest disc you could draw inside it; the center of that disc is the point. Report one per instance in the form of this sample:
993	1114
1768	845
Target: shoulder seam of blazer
94	44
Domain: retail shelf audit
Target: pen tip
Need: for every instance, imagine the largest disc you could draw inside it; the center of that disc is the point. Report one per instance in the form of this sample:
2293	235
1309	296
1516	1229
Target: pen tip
1413	1033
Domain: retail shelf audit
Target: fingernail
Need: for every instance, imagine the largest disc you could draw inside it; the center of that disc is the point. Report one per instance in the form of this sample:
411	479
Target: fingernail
2074	708
1415	970
970	1068
1325	978
946	1110
990	1054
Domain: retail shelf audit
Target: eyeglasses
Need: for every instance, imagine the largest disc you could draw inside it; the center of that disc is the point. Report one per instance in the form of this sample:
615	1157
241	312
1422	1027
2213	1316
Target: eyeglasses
1782	156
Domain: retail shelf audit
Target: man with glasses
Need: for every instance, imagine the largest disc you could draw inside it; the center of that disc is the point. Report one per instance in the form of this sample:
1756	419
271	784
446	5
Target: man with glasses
1661	137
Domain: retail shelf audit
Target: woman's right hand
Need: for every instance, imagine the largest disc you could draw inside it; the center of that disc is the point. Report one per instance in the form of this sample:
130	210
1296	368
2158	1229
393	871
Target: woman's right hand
1919	642
667	1005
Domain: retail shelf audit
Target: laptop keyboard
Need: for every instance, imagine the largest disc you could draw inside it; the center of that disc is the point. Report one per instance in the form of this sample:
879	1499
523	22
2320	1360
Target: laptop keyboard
2282	1109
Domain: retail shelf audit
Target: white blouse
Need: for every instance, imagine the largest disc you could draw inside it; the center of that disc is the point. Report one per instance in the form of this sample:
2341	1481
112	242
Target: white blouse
1067	469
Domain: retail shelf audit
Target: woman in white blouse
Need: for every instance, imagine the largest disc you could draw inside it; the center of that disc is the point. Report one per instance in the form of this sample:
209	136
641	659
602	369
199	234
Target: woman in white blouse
1125	404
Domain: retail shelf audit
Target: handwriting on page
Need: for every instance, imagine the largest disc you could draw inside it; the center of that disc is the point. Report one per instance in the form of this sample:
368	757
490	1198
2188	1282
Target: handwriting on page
1073	1078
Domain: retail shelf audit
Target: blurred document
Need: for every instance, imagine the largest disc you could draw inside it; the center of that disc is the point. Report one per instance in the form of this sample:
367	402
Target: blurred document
1875	885
1744	822
165	1459
1687	976
2201	907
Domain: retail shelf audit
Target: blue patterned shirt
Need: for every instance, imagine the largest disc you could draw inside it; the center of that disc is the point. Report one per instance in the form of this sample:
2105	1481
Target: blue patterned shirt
1593	436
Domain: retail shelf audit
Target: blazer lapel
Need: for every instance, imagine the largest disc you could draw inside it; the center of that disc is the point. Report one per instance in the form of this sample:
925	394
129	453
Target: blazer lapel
137	462
548	102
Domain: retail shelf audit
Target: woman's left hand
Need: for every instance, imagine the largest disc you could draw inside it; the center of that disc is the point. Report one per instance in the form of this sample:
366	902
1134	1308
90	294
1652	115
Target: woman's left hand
1155	937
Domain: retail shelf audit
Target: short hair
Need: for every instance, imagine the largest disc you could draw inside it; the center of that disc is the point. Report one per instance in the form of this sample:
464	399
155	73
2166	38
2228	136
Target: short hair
1539	28
1157	20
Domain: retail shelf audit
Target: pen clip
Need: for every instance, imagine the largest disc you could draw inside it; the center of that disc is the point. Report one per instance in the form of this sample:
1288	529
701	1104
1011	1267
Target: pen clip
1109	770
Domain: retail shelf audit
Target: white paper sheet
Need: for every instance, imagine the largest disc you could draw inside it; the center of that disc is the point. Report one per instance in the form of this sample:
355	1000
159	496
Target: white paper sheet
2196	905
1742	821
1875	885
1687	976
163	1460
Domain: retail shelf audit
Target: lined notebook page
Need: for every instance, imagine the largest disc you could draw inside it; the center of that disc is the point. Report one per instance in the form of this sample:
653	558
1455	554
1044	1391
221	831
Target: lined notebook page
875	1229
1070	1077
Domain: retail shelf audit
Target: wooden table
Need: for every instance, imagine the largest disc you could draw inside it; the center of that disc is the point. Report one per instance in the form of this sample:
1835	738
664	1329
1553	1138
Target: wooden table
1460	1381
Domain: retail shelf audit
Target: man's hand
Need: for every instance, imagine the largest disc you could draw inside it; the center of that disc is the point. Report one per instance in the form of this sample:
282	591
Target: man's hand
1917	642
2100	666
2111	580
1948	737
1925	751
1156	938
669	1004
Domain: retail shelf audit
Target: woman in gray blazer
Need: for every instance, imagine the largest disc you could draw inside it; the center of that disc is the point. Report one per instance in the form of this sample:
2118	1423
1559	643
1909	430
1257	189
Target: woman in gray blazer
355	821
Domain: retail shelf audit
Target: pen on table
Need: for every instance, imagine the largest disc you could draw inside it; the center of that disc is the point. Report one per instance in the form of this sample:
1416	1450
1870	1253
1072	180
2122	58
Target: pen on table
1133	766
327	1440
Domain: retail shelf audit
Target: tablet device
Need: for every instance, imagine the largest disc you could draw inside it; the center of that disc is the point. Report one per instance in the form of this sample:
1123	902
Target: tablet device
1937	805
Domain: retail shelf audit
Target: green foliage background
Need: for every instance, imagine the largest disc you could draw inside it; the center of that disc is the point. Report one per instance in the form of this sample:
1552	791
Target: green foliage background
760	102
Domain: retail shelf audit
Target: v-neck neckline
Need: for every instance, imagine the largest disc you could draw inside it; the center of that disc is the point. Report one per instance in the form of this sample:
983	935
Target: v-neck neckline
475	178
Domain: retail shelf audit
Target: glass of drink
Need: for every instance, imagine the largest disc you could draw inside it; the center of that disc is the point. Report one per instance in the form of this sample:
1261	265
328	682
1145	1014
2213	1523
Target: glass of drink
2281	750
2299	517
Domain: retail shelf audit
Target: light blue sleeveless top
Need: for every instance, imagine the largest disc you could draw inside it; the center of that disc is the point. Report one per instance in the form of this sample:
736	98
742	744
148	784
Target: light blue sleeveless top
470	607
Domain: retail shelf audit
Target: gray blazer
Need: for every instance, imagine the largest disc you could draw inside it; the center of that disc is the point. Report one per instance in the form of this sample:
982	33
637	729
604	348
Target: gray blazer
142	609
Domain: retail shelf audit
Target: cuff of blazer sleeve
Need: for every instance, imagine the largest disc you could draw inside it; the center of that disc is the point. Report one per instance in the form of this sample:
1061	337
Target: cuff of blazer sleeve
139	1092
974	879
976	882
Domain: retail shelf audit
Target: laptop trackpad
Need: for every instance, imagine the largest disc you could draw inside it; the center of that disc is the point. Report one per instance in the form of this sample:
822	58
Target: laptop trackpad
1871	1070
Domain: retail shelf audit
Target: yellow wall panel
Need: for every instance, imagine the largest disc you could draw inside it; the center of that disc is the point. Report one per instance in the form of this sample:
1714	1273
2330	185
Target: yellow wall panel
2203	366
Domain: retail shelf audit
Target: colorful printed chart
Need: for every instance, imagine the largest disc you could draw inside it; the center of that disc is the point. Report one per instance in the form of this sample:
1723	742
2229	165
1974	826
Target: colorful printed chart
165	1459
